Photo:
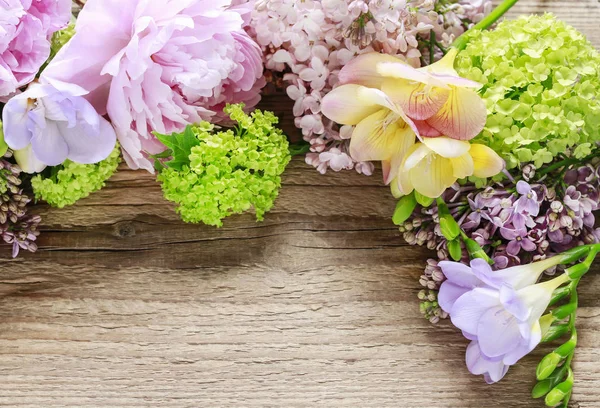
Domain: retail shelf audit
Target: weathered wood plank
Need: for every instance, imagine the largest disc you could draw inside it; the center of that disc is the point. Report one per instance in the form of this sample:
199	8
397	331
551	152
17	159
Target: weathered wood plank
126	306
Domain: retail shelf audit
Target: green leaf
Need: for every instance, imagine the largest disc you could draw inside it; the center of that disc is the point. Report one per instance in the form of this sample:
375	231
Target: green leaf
455	250
404	209
181	145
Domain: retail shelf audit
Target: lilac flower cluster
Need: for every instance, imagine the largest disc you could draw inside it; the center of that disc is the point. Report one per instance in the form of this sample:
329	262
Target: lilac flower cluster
516	223
309	42
17	227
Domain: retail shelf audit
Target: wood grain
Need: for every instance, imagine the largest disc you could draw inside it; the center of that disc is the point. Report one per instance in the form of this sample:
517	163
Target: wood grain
126	306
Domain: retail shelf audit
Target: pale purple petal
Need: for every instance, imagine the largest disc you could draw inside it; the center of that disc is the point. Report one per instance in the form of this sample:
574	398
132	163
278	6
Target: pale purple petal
448	294
497	332
49	145
459	274
478	364
523	187
15	121
469	308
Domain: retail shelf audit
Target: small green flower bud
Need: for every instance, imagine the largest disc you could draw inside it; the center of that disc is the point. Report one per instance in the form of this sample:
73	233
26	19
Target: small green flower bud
541	388
404	209
547	366
423	200
554	397
476	251
559	294
566	349
455	250
577	271
564	311
449	227
555	332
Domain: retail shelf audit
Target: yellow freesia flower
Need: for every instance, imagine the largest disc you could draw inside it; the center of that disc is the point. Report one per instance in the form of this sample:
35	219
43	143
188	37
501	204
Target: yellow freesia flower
435	164
383	131
435	97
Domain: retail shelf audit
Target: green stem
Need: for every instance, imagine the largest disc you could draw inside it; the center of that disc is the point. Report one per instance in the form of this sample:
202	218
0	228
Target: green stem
565	162
462	41
431	46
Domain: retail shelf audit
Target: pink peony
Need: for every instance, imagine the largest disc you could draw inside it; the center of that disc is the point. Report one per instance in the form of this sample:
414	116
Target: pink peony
160	65
25	30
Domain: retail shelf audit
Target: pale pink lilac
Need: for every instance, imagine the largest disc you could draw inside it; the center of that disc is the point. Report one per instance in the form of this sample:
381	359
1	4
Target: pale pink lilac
159	66
26	27
307	41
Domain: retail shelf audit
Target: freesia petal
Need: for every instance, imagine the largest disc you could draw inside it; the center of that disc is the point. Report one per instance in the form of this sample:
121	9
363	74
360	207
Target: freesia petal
462	117
512	303
471	306
373	139
344	105
462	166
418	100
49	145
27	161
426	130
403	71
478	364
459	273
432	177
16	134
403	185
403	141
415	155
88	145
362	70
497	332
446	147
444	71
449	294
486	161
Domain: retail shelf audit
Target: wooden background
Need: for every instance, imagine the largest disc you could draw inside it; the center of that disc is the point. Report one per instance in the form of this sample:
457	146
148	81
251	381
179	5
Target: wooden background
125	306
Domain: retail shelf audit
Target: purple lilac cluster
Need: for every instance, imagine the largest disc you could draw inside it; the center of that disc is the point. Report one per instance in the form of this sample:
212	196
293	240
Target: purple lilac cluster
17	227
515	222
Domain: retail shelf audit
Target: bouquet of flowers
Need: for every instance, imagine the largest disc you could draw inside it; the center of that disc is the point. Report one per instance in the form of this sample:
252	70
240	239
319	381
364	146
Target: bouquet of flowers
488	136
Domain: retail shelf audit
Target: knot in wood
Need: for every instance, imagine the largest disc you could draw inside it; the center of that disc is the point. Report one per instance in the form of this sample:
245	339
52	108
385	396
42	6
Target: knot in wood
124	230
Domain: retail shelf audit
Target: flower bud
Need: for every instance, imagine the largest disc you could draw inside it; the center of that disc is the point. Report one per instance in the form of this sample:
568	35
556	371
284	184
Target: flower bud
566	221
423	200
449	227
528	172
564	311
404	209
547	366
556	207
455	250
541	388
555	332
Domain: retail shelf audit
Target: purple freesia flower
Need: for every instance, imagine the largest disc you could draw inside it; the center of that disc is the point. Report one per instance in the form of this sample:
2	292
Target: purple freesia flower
498	310
57	123
25	30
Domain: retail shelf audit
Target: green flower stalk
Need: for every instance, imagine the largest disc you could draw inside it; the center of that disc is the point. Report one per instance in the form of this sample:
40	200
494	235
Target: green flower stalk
215	173
541	82
70	182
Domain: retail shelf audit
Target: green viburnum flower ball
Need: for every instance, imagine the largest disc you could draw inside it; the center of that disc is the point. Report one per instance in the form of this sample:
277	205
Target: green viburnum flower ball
71	181
214	174
541	87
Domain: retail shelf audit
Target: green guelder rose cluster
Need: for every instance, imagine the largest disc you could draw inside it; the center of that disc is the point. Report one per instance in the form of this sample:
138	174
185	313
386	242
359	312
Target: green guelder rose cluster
66	184
541	81
216	173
